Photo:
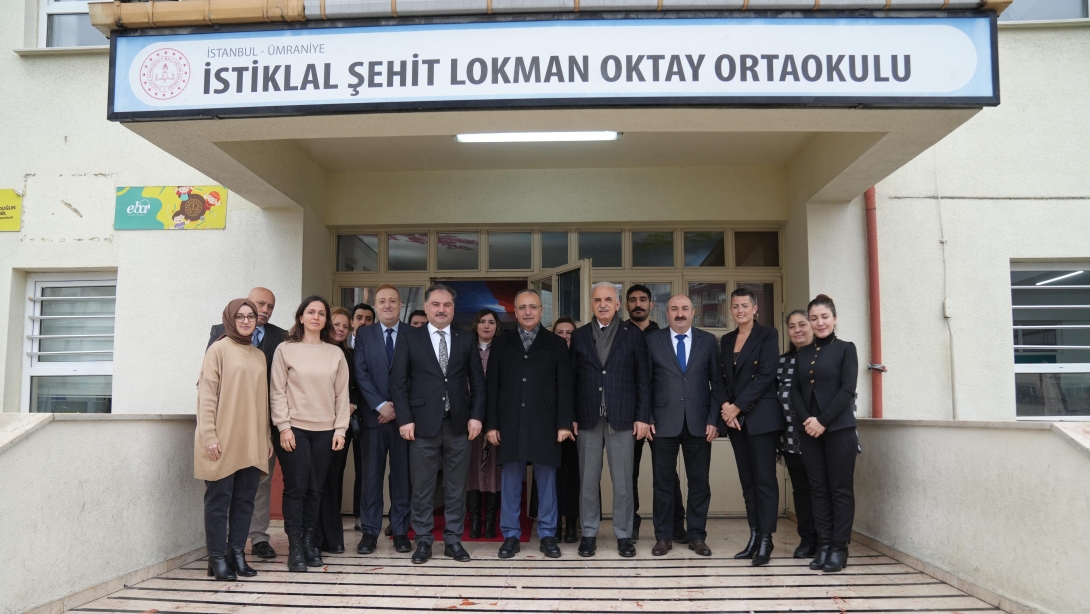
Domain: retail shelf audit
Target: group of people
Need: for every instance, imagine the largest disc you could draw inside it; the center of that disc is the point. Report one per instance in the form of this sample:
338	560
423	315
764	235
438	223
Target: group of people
468	411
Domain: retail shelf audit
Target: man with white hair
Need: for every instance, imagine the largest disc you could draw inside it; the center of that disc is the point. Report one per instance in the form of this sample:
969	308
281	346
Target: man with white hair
612	411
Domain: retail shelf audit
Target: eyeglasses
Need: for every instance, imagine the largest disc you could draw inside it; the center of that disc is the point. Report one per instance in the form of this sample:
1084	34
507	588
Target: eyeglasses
527	307
241	318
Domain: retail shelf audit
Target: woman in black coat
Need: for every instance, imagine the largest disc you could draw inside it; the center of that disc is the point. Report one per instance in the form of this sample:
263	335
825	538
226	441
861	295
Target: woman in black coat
798	330
822	395
750	356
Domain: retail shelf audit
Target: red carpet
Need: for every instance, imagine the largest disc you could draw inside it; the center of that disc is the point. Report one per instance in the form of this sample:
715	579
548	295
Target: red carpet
525	522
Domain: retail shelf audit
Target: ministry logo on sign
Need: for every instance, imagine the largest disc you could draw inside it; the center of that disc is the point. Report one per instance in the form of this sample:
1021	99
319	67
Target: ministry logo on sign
164	74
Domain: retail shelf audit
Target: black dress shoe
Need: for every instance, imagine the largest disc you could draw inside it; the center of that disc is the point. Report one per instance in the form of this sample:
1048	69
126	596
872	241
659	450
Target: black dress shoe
681	536
822	553
217	566
311	554
626	548
422	554
337	549
698	546
764	551
587	546
456	552
549	547
661	547
806	550
263	550
402	543
569	532
236	560
837	559
367	544
509	548
751	547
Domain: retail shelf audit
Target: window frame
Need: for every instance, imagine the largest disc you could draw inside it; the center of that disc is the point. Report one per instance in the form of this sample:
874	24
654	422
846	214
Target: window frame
34	368
55	7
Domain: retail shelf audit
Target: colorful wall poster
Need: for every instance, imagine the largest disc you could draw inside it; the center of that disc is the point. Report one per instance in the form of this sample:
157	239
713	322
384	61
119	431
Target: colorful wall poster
11	211
187	207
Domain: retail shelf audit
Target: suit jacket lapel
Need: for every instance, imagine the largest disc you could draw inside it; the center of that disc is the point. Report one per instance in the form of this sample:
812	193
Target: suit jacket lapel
669	346
747	347
587	339
616	340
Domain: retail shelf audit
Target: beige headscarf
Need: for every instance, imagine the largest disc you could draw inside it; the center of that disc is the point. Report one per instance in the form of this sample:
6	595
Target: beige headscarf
229	328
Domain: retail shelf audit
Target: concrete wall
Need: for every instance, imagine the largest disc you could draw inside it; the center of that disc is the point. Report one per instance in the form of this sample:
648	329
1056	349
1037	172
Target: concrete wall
1011	184
90	498
1003	506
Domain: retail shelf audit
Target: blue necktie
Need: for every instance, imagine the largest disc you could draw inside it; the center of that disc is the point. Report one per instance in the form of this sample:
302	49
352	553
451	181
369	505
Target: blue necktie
257	337
390	345
681	351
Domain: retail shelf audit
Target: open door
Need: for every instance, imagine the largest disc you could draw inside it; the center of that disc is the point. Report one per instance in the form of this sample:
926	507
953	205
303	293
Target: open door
565	291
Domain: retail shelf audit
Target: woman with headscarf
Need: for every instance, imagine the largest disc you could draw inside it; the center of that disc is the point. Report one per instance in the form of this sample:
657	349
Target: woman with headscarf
232	443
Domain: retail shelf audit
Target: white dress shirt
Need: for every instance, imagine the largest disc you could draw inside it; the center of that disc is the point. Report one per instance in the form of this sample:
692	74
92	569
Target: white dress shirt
688	342
435	339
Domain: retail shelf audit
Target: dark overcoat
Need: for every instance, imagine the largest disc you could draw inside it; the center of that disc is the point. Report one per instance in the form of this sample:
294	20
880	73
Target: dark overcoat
529	397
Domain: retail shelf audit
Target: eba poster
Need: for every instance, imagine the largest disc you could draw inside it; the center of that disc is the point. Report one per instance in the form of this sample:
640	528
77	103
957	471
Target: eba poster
196	207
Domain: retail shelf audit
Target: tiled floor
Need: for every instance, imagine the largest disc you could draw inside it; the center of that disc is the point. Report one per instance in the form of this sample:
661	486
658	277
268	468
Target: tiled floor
679	582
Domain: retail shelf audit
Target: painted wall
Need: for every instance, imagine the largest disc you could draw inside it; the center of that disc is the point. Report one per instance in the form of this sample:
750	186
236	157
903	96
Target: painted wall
89	498
976	499
1011	184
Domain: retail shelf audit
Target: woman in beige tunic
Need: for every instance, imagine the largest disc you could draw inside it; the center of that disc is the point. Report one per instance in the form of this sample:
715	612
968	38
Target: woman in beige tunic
232	444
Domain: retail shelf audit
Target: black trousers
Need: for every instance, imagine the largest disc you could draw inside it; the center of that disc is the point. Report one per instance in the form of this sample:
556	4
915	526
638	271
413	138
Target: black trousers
678	503
228	507
755	456
830	465
304	470
800	492
361	450
330	526
697	452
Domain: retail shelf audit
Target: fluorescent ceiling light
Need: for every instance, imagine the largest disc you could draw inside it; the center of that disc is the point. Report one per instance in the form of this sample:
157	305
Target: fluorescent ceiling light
1048	281
537	137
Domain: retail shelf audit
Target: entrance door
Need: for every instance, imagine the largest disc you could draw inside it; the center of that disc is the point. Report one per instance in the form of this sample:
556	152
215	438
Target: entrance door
565	292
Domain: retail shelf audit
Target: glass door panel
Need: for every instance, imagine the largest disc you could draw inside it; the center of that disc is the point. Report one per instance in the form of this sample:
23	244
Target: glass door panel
565	292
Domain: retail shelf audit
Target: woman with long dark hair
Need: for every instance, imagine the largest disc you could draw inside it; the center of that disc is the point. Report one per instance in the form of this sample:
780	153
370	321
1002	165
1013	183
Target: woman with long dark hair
822	396
801	335
750	354
484	476
309	402
231	447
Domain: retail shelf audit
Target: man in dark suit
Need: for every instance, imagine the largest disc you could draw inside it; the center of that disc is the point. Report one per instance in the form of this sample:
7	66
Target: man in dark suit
374	358
686	393
266	337
612	409
439	399
639	305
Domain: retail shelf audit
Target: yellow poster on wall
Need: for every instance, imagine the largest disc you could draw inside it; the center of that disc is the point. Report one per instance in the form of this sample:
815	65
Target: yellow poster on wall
196	207
11	211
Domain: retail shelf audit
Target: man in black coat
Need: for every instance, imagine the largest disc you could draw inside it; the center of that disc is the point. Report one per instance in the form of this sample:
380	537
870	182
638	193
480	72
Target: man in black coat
266	338
612	407
686	394
529	399
439	398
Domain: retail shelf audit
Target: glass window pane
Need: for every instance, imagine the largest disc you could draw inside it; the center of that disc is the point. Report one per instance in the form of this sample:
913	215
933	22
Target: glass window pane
554	249
458	251
72	30
80	326
653	248
83	394
604	248
1051	317
660	295
1052	394
756	249
407	252
704	249
568	300
357	253
1043	10
510	250
710	304
766	314
545	287
412	298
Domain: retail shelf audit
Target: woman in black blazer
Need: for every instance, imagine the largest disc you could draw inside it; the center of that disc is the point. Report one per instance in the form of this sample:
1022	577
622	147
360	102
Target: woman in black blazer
750	356
822	395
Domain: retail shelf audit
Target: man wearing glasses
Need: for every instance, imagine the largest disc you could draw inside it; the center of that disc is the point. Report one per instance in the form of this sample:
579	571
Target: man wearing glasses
529	414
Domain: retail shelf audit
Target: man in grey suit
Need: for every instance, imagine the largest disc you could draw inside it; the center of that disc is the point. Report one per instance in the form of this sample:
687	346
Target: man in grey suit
686	393
439	399
266	338
374	358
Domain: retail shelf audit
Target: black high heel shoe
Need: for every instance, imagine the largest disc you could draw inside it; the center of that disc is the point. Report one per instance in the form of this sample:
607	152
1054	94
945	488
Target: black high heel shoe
217	566
764	551
751	547
822	553
236	560
837	559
